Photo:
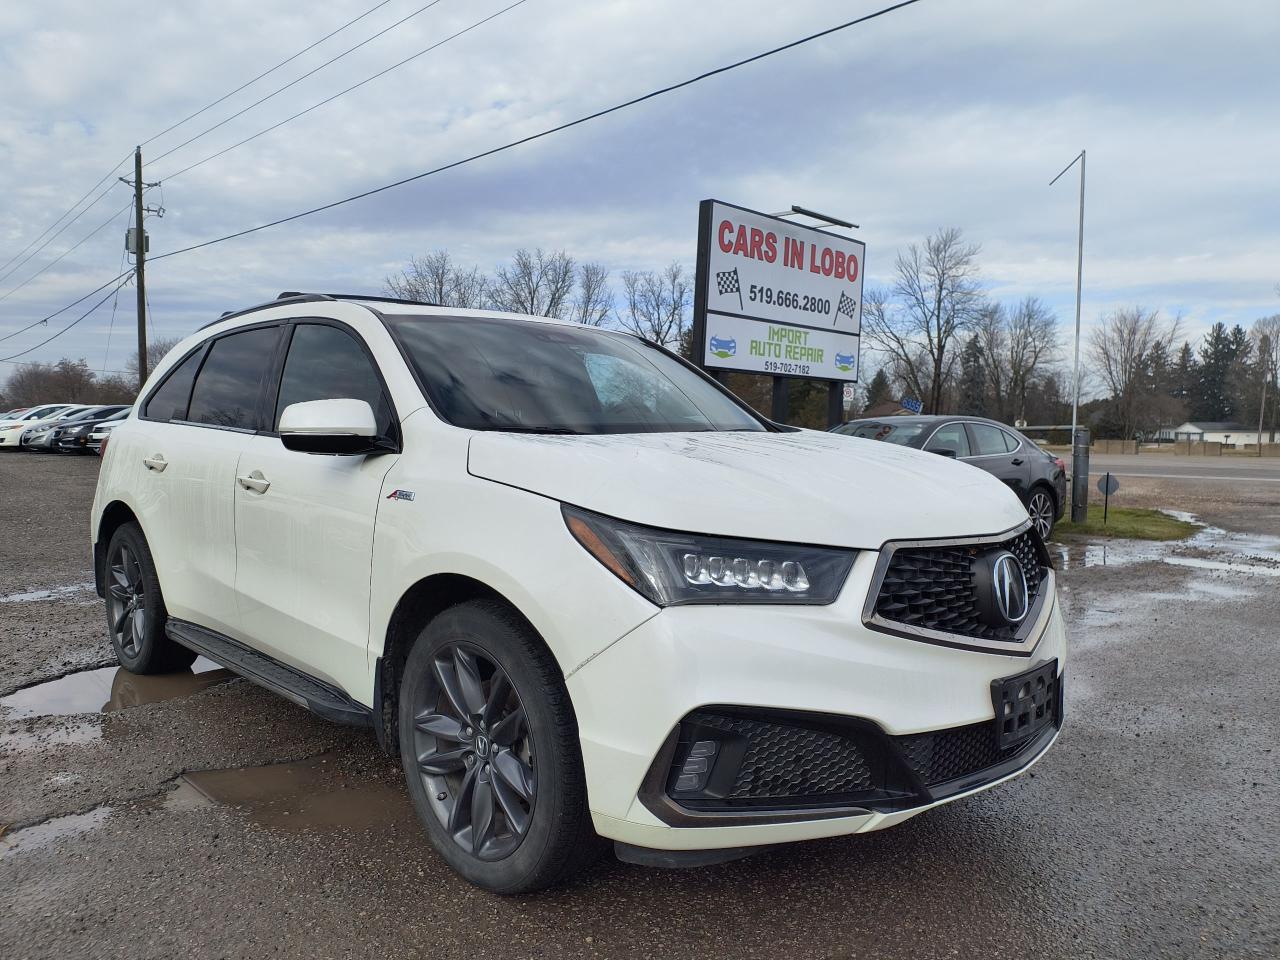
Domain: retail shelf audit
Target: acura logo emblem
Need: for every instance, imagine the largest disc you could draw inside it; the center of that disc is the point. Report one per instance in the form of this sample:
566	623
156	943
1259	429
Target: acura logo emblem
1009	588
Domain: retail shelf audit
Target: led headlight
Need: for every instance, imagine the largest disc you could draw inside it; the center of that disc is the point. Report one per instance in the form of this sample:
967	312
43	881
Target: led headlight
673	568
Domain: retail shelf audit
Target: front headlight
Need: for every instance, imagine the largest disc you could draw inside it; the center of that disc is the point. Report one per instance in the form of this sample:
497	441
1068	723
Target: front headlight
672	568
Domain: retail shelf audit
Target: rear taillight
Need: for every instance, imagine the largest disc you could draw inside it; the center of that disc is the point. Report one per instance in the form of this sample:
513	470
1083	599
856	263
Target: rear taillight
1057	462
102	447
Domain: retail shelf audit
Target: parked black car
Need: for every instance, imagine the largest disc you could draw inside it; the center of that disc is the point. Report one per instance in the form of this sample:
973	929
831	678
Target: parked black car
1039	478
74	437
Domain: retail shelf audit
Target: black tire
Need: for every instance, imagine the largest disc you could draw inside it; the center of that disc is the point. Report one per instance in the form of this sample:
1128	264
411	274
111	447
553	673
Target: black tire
486	654
1042	508
136	613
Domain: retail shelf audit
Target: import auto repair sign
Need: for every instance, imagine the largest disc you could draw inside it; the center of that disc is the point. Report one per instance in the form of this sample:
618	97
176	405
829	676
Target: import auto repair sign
776	297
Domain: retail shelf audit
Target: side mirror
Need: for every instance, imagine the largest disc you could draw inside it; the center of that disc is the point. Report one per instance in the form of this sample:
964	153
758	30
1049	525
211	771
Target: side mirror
944	452
329	426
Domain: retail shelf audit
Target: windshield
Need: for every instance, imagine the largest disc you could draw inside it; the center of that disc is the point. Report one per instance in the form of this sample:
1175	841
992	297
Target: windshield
903	434
492	374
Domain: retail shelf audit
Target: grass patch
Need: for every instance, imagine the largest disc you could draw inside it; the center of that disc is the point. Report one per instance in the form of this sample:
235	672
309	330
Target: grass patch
1130	523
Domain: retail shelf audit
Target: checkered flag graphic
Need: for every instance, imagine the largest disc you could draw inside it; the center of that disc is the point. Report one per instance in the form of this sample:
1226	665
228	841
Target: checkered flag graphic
848	306
727	282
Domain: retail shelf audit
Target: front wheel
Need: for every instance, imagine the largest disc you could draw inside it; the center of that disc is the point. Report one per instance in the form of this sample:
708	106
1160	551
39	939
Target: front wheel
490	751
135	608
1040	509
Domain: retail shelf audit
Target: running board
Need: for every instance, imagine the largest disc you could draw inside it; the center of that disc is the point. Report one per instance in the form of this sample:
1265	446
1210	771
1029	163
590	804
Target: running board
317	696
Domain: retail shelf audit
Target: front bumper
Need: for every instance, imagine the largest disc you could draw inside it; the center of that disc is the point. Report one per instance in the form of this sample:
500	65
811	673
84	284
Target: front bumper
816	662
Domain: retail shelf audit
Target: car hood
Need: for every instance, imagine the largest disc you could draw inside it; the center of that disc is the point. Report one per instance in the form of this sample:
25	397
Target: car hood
803	487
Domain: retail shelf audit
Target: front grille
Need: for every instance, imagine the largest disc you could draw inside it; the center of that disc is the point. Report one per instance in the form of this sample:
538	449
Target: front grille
781	761
934	588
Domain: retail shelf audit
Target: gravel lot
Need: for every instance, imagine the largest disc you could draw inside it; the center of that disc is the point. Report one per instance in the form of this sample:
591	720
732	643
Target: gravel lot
202	817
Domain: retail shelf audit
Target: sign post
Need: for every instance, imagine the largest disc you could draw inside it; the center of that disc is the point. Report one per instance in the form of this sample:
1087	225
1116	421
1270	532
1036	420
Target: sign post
777	298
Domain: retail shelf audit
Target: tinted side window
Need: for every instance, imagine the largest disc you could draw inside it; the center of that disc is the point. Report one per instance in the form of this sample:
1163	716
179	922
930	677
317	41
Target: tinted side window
950	436
990	440
226	391
170	401
326	363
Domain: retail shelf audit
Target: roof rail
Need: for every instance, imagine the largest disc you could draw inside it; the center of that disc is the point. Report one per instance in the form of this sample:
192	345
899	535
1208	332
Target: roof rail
286	297
377	299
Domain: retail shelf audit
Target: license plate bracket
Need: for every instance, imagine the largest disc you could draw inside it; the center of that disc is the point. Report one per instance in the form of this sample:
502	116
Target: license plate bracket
1025	703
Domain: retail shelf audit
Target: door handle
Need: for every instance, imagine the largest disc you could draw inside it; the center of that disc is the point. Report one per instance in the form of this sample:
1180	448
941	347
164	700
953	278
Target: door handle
255	482
1017	461
156	463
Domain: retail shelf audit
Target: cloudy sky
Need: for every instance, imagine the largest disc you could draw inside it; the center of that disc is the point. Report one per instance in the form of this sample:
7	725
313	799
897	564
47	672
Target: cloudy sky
944	113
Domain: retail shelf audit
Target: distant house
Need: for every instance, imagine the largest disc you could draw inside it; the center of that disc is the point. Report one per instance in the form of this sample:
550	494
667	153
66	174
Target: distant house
1210	431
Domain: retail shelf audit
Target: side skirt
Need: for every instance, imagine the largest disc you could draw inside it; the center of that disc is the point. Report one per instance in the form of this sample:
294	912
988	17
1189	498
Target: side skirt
319	697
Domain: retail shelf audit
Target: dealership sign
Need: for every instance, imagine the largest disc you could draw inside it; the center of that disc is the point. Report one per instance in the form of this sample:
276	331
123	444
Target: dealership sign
775	297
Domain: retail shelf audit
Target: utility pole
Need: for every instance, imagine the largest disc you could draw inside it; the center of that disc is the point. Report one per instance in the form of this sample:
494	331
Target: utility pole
1080	491
140	245
139	250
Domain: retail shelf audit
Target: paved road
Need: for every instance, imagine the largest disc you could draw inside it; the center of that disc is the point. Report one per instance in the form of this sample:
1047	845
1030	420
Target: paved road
198	816
1168	467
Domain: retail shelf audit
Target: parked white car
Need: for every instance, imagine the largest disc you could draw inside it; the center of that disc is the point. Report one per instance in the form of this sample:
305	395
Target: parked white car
11	430
579	589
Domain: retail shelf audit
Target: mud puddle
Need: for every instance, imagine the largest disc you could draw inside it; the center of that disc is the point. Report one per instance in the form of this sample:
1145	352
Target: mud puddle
1210	548
42	835
109	689
53	593
313	794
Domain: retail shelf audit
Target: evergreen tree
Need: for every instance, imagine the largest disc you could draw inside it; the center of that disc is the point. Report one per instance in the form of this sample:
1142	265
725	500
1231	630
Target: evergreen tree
973	380
878	390
1184	379
1216	358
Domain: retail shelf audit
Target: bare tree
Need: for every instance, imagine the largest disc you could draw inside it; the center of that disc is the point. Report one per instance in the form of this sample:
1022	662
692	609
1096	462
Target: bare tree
594	302
435	278
938	297
67	381
656	303
539	283
156	351
1121	349
1266	341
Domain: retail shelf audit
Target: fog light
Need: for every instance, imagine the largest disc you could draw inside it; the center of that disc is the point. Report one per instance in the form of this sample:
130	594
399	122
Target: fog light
697	767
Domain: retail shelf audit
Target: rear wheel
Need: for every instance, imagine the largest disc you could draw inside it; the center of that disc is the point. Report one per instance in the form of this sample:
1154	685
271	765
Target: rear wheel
490	751
1041	510
135	608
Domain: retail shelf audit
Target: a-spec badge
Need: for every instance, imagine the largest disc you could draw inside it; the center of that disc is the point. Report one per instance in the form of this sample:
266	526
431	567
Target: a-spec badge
400	495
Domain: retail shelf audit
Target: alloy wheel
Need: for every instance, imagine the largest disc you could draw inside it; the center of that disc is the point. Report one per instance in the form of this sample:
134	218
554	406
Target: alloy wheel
127	600
1040	509
475	752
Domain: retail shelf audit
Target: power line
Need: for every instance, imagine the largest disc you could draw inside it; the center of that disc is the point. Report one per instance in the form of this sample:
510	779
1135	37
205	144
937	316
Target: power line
546	133
515	143
342	93
110	173
249	83
96	230
294	82
57	234
173	126
110	294
73	303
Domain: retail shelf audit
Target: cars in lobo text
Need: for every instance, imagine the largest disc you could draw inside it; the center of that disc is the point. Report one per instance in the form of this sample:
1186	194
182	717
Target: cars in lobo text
1038	477
578	588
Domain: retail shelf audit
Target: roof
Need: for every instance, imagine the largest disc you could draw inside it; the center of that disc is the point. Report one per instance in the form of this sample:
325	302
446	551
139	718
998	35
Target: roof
1214	426
380	304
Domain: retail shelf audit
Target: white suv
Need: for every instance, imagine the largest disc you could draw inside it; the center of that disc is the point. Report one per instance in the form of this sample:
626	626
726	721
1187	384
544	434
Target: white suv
577	586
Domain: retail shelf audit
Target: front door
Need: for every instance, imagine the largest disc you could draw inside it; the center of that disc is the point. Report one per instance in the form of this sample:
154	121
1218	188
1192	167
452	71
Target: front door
304	522
1000	453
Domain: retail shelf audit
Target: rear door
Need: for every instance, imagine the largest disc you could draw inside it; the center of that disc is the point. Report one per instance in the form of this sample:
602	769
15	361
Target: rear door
199	421
1000	453
304	522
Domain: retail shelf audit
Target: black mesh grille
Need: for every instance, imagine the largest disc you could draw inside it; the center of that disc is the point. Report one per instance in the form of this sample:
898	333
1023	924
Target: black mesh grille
950	754
782	761
933	588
